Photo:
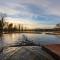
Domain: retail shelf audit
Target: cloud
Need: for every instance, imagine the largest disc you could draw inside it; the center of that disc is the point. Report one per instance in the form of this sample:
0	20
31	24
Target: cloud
37	11
53	7
34	6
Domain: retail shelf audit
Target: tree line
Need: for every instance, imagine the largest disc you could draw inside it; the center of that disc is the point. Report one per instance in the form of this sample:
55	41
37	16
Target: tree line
9	27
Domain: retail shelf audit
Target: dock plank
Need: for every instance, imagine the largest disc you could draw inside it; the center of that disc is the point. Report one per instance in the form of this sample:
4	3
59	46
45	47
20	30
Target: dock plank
29	53
53	49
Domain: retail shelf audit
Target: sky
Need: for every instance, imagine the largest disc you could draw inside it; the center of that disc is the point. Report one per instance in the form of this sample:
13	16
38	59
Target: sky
39	13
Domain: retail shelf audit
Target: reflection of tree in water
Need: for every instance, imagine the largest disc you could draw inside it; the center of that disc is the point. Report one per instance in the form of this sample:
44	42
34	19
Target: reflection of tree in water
1	46
1	43
25	42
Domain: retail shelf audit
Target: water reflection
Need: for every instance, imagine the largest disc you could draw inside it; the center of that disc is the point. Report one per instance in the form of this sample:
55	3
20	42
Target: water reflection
44	39
1	42
36	38
1	47
11	38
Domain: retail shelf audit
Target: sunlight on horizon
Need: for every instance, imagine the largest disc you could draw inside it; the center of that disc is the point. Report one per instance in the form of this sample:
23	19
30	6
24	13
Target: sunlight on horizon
28	23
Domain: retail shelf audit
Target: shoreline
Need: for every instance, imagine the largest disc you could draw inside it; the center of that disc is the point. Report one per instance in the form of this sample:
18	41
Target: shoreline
49	33
21	32
53	33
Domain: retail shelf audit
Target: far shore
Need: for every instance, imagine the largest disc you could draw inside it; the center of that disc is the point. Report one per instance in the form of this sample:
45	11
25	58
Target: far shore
54	33
33	32
22	32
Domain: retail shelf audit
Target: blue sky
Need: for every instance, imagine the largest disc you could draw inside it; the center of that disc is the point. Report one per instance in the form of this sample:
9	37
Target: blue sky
44	13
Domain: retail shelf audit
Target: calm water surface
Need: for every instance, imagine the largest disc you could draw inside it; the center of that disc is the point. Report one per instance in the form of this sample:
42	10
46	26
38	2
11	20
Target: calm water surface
42	39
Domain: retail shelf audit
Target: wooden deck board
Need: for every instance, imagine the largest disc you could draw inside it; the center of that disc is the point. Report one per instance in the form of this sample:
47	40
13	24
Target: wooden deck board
27	53
54	50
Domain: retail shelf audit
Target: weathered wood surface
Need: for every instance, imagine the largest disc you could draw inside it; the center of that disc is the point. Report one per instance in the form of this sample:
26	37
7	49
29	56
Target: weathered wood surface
54	50
26	53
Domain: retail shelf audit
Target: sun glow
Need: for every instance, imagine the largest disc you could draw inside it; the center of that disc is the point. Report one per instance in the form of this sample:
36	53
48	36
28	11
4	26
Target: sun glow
25	23
30	24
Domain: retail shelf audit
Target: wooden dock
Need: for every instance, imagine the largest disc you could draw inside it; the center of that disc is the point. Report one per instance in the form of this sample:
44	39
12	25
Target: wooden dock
53	50
26	53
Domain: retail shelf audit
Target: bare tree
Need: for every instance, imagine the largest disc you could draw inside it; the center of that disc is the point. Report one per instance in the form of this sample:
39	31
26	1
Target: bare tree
2	18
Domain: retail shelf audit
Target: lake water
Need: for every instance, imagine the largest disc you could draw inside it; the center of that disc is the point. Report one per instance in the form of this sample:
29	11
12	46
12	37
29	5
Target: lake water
42	39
